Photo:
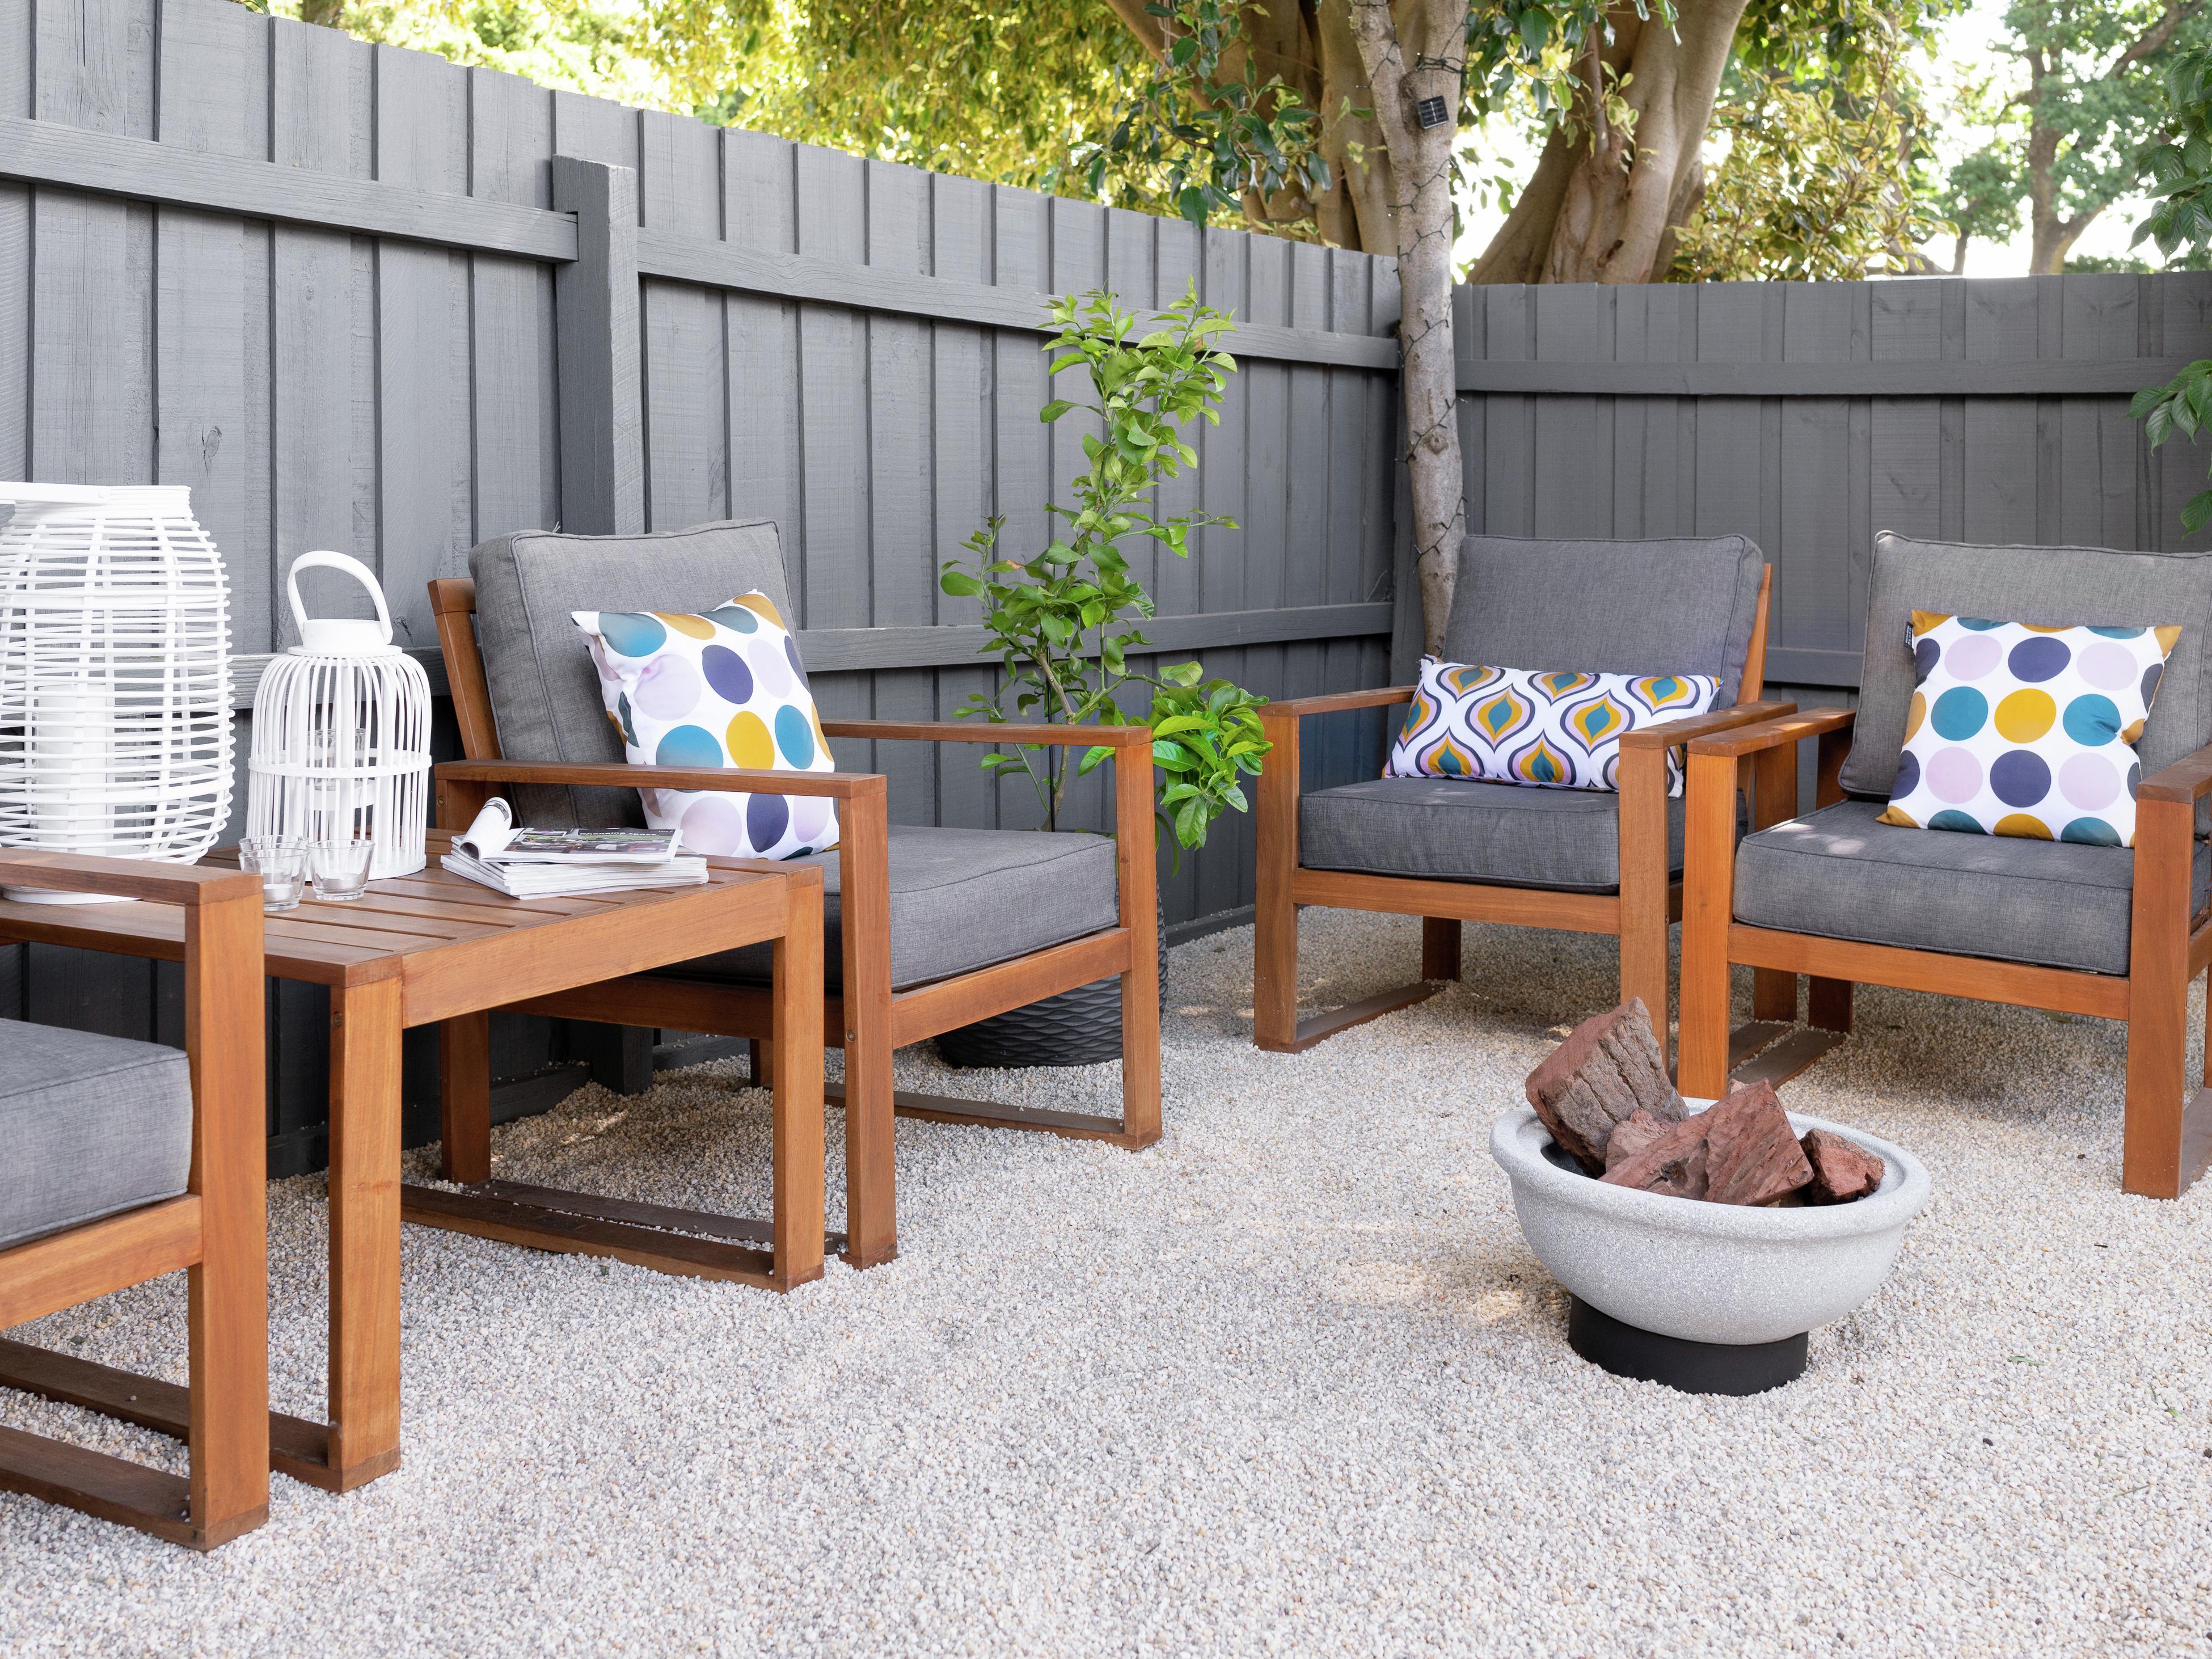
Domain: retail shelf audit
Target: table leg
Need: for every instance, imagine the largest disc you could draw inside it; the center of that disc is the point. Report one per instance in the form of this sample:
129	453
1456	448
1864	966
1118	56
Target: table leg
797	1099
465	1098
364	1182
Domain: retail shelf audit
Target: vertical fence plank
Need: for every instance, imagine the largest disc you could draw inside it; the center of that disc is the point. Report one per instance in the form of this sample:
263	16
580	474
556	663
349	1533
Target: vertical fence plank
214	100
324	319
686	444
899	551
2096	469
1999	480
1815	556
961	396
421	343
766	400
515	429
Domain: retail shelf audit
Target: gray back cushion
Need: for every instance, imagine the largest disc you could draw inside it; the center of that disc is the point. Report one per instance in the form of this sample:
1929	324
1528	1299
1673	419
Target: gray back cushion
2092	587
1684	605
545	691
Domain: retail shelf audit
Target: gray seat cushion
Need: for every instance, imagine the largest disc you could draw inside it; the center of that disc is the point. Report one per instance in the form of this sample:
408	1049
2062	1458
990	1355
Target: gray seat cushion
2055	585
1840	874
960	899
1455	831
1681	605
93	1125
544	692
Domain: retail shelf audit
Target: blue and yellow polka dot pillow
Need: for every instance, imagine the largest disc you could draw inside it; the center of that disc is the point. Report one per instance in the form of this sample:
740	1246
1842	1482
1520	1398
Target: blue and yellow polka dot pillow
1551	730
722	689
2020	730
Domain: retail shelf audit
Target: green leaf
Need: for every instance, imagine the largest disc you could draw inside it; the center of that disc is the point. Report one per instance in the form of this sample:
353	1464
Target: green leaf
1053	410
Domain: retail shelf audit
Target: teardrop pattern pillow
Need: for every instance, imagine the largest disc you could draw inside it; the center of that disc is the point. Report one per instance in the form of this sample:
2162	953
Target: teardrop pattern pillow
722	689
2020	729
1550	730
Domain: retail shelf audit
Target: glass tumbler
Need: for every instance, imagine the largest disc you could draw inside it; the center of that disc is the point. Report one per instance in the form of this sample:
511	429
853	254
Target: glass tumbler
340	868
282	863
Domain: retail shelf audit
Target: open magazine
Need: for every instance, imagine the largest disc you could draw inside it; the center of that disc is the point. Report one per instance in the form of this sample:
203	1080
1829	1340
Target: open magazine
560	863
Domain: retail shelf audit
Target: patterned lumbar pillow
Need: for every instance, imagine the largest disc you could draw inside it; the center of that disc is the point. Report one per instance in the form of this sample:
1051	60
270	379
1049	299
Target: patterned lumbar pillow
1553	730
721	690
2018	729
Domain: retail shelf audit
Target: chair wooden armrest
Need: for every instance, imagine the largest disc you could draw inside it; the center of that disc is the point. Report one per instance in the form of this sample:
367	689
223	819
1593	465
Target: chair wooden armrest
189	885
1013	731
1672	733
2188	779
1333	702
1772	734
842	785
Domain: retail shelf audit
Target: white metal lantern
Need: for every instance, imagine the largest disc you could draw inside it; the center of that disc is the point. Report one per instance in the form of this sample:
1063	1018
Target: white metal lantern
341	732
115	716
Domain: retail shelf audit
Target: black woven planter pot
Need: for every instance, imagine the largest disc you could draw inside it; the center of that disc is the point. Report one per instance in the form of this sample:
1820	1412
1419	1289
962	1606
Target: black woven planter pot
1082	1027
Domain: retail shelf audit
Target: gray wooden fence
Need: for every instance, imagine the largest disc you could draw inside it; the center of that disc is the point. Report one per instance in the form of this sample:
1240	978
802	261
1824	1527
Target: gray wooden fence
1808	417
345	293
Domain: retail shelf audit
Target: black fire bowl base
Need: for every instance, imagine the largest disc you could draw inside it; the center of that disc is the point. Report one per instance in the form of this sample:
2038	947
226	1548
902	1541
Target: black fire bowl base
1693	1367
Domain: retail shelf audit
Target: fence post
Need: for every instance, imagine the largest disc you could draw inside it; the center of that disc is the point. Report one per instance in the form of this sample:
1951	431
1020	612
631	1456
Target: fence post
595	320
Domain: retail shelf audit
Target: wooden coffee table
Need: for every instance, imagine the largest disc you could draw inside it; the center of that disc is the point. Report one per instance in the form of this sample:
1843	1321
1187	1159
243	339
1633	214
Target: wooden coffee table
434	948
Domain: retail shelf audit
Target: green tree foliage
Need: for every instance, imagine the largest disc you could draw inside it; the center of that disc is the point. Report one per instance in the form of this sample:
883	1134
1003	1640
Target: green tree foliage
2176	160
1067	619
1819	150
2066	118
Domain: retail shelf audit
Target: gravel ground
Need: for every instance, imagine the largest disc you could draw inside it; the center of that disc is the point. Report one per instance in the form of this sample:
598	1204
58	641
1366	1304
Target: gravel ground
1288	1382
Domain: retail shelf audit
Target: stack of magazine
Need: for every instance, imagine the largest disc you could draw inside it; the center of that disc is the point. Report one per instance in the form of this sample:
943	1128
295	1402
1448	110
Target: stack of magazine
561	863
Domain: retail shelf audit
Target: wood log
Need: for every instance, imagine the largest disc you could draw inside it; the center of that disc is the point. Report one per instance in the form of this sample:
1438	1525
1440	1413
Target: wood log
1752	1153
1608	1069
1630	1136
1673	1162
1843	1170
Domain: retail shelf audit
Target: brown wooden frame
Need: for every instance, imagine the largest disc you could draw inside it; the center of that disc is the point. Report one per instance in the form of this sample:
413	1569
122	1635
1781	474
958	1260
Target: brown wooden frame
2168	1140
874	1019
216	1232
1650	898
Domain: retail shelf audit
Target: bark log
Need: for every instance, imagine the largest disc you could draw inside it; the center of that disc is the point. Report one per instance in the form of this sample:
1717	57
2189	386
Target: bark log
1630	1136
1752	1153
1671	1164
1609	1070
1843	1170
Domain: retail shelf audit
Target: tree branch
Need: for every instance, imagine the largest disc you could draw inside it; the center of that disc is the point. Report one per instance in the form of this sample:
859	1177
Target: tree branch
2155	37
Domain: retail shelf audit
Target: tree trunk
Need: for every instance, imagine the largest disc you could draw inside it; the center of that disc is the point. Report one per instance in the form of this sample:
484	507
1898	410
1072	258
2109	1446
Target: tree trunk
1599	215
1421	165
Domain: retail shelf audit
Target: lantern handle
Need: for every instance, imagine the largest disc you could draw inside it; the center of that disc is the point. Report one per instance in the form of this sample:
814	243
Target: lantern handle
323	559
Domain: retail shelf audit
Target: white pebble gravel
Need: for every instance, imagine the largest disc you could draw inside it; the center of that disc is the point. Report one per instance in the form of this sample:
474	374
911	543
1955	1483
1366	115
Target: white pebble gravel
1288	1382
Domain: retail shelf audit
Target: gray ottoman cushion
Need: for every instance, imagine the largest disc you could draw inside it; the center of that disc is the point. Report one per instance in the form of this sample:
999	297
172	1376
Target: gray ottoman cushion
1455	831
1838	873
93	1125
1682	605
544	692
960	899
2054	586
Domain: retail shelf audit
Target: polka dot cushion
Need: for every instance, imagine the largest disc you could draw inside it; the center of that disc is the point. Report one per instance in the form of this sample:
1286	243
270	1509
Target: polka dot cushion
2018	729
1555	731
721	690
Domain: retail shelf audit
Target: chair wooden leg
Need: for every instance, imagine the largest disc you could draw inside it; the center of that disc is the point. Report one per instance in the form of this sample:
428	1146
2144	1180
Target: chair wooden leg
1137	876
1708	901
870	1191
1828	1005
1773	800
465	1098
1646	891
796	1109
226	1295
1274	913
1440	948
2168	1133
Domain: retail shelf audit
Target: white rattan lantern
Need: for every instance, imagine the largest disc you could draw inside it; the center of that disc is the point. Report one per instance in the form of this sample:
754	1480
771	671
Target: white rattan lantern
342	733
115	716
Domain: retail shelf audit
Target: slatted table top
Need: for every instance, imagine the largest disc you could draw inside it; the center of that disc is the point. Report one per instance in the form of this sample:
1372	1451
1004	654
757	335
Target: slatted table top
443	933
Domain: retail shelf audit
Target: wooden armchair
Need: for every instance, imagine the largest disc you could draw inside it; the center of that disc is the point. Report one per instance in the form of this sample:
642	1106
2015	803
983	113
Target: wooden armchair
1450	851
2114	933
925	929
128	1161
